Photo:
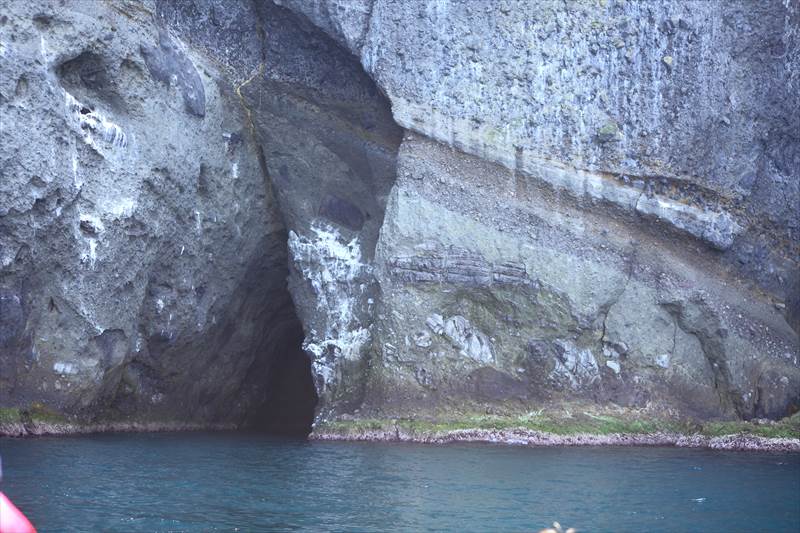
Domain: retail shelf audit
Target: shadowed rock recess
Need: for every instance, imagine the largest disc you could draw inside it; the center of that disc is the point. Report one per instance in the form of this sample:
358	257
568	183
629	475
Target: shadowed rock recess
235	213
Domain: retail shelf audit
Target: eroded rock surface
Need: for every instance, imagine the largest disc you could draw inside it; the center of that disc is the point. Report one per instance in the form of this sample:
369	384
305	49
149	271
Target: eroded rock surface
480	207
600	187
652	108
142	260
574	304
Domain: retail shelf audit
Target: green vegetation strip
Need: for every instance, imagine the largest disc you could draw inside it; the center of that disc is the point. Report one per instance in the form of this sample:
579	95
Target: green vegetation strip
9	415
35	412
578	424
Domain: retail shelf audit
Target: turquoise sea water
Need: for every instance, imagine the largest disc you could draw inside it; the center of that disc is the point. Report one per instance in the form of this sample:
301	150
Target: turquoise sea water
224	481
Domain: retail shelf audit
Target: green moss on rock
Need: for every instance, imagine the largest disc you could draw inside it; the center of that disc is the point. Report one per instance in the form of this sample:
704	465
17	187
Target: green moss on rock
608	132
9	415
788	427
39	412
583	423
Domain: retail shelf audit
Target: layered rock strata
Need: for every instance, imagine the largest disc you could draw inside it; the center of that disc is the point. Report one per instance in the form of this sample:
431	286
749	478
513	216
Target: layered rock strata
480	207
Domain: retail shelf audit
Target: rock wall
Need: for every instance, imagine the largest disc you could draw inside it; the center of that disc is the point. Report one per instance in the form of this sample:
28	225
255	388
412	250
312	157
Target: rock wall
497	290
142	259
683	112
595	200
480	206
329	145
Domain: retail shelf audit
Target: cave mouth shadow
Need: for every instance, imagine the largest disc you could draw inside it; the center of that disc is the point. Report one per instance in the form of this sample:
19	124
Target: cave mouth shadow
290	397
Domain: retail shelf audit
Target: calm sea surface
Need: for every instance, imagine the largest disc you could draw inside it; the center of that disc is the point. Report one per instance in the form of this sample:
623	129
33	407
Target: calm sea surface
225	481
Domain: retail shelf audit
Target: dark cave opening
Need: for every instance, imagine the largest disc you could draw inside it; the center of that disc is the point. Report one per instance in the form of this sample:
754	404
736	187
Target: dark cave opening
328	147
291	397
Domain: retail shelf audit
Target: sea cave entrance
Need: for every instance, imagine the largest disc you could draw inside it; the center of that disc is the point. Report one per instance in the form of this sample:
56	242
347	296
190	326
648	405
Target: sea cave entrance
290	397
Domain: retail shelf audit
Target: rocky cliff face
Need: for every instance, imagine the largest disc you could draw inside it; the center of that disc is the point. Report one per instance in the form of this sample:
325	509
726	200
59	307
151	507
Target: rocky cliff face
594	200
480	207
143	259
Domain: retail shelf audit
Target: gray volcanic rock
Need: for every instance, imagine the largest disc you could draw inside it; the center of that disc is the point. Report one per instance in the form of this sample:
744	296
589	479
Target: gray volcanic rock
141	255
477	207
687	102
571	304
644	177
166	63
329	145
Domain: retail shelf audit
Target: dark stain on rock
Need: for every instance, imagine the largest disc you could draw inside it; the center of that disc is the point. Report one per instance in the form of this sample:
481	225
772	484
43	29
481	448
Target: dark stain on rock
88	227
167	63
494	385
12	318
110	346
342	212
86	70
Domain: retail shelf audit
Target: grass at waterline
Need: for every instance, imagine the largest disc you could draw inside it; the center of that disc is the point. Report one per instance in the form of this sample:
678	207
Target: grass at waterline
789	427
575	424
9	415
35	412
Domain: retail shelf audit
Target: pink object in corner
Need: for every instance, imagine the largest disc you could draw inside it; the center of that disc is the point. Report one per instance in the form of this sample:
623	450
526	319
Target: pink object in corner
11	519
